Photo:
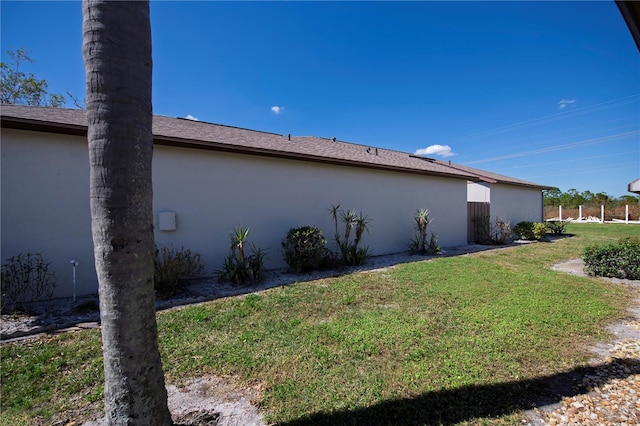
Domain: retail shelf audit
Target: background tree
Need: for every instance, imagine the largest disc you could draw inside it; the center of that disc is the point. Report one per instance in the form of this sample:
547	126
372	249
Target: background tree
587	197
20	88
117	56
601	198
573	198
552	197
630	199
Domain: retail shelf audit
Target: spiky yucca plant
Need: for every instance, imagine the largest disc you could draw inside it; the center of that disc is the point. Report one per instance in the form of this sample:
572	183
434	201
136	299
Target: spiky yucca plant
418	243
237	266
349	252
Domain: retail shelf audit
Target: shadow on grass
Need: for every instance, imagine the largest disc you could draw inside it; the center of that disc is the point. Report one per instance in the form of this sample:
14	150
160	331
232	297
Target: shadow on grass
452	406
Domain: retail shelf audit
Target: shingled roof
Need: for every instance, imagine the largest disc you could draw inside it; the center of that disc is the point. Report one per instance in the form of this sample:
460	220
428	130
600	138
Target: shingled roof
208	136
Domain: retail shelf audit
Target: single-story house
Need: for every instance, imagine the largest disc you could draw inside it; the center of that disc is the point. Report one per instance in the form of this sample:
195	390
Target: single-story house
208	178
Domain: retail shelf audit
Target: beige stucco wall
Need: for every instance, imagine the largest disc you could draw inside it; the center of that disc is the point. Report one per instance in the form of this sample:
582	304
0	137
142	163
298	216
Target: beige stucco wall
45	202
212	192
516	203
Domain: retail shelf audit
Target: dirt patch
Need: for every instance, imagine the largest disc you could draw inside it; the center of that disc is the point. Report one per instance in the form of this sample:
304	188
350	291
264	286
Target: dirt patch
217	397
211	401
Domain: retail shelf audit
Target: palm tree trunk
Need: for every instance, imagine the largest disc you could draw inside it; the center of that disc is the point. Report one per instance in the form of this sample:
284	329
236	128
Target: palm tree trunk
117	55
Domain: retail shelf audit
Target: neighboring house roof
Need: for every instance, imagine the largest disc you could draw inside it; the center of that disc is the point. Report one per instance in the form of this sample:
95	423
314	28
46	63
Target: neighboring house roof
490	177
208	136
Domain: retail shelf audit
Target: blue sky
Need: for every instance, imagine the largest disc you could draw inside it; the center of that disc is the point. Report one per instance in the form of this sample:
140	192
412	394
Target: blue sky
543	91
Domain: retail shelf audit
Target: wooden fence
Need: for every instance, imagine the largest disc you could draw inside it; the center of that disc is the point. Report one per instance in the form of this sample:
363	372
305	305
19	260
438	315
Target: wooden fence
477	221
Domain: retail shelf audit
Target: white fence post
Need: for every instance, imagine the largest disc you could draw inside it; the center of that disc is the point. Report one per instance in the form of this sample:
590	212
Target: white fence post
579	212
602	213
626	214
560	212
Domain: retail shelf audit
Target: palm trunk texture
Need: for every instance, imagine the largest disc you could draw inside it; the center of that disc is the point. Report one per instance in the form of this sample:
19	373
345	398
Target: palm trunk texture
117	56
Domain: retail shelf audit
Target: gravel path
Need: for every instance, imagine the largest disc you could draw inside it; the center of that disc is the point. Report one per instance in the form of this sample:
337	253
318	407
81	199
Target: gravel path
610	394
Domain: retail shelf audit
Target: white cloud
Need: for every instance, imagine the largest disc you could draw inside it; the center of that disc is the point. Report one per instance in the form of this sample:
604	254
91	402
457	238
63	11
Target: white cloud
191	117
441	150
277	109
564	102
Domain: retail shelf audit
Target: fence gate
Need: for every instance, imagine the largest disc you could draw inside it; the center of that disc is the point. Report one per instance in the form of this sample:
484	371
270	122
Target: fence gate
478	217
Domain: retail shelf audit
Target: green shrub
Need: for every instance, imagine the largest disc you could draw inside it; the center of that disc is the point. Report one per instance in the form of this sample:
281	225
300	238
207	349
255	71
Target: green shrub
25	279
305	249
239	267
173	268
614	260
532	231
539	231
433	247
556	227
349	252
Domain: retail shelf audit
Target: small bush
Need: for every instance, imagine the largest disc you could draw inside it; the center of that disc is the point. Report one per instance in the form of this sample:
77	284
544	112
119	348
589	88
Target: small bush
532	231
614	260
25	279
239	267
305	249
556	227
173	268
500	232
433	247
497	233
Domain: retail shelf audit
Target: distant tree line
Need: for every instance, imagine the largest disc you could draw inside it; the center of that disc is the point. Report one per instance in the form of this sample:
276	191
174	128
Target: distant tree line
573	198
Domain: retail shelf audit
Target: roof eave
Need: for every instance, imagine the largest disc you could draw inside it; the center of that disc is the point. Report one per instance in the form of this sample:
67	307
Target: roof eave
81	130
19	123
239	149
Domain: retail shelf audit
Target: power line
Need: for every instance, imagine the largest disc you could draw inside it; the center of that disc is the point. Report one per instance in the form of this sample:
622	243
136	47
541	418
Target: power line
594	141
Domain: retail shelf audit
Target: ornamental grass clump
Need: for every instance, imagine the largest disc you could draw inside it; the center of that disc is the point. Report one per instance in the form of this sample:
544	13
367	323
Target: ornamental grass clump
173	268
355	225
493	233
305	249
614	260
25	278
240	266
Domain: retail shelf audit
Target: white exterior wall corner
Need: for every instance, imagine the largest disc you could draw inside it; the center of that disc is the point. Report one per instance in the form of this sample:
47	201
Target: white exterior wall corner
478	192
45	202
516	203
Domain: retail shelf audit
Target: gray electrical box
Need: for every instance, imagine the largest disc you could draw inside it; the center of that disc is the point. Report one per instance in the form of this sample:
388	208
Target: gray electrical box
167	221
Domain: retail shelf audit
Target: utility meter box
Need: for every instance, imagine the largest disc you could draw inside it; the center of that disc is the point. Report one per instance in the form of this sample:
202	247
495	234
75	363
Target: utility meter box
167	221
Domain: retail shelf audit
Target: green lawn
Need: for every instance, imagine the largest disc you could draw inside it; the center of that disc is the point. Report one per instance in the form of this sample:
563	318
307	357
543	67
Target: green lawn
465	339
